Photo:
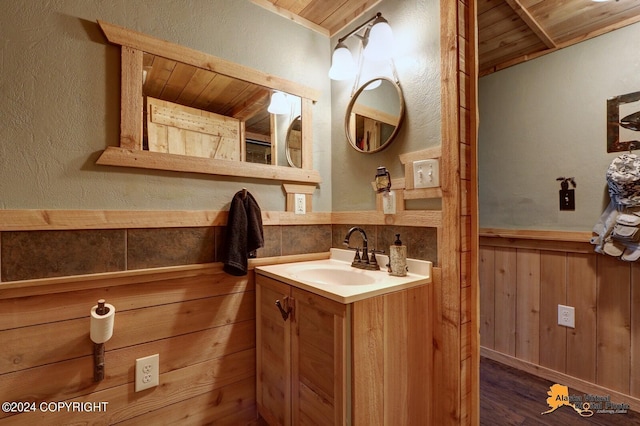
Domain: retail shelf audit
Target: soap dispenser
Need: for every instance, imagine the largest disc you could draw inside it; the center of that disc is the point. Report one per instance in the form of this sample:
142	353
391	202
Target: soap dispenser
398	258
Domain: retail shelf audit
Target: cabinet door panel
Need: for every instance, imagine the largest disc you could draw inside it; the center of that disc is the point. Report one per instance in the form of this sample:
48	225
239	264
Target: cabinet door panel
314	410
319	359
273	354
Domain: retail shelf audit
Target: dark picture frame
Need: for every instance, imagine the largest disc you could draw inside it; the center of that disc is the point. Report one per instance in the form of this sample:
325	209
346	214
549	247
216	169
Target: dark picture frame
621	106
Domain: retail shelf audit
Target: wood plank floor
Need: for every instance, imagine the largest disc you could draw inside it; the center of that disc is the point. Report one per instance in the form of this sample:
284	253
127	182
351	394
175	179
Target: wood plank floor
512	397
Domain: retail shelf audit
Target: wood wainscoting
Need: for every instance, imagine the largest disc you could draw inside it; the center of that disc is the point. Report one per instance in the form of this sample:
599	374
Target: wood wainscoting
203	329
525	275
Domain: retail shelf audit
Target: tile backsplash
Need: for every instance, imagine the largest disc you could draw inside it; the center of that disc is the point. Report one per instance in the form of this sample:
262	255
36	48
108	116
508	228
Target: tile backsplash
44	254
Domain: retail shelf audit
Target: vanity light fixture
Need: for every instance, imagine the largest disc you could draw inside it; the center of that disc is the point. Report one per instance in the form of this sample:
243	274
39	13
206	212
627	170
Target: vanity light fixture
383	179
380	44
343	67
376	49
279	103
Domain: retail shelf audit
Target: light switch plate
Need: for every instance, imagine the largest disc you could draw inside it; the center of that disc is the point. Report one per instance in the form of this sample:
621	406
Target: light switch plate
300	204
426	174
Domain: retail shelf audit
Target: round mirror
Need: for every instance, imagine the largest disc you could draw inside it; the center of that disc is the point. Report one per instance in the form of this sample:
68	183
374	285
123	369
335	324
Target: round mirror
374	115
294	143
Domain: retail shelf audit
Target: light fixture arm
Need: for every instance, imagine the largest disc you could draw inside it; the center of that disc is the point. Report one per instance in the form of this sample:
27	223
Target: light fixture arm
378	15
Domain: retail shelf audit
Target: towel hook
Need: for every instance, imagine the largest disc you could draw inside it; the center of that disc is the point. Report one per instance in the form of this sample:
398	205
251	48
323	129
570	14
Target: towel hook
244	193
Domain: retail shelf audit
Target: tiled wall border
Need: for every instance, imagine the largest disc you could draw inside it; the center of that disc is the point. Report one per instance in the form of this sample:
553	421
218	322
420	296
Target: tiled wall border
54	249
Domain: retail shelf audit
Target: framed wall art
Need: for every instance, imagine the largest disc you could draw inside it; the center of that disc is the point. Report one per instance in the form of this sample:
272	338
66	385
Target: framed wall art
623	122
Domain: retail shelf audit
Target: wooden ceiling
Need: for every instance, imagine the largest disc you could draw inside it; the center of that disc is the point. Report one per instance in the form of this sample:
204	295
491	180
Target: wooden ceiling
514	31
198	88
509	31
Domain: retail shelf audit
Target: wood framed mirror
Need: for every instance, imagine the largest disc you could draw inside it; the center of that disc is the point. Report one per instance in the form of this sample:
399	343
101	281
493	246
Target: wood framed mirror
172	97
374	115
293	145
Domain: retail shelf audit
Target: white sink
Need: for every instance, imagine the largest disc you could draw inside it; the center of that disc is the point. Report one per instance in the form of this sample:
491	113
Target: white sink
336	279
336	274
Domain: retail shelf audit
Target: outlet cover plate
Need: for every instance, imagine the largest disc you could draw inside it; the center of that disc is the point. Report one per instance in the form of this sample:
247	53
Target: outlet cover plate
426	174
567	316
389	202
300	204
147	372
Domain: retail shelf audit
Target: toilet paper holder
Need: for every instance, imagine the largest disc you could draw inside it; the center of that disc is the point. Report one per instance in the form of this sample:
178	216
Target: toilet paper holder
101	330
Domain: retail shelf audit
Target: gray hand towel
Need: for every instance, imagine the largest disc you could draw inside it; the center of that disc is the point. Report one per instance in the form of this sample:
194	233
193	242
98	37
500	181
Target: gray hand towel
244	233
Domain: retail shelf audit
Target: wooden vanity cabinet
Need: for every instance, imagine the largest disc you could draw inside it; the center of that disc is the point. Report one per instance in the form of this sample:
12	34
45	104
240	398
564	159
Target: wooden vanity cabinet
364	363
301	364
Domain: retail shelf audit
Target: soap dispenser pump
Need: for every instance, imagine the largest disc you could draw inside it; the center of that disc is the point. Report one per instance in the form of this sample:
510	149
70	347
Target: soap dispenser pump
398	258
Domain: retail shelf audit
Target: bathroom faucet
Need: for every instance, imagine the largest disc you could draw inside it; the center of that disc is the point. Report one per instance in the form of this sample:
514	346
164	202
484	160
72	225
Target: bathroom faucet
363	262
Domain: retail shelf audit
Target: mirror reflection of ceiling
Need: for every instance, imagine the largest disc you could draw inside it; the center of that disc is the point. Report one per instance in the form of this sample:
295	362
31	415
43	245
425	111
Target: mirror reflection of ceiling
509	31
195	87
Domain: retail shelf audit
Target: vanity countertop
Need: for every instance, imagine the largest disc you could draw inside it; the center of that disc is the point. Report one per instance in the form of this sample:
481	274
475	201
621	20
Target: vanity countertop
335	279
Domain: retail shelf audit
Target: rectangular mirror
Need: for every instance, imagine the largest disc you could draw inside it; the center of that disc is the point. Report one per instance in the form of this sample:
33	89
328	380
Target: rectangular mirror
185	110
197	112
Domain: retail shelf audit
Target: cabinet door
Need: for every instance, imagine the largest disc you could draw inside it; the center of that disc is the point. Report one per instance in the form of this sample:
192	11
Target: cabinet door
273	351
318	356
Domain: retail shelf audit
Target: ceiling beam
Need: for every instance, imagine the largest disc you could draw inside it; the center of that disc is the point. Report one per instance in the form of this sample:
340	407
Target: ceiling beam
528	19
528	57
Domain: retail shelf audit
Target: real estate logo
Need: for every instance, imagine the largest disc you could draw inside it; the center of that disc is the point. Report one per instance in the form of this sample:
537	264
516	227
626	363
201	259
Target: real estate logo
584	405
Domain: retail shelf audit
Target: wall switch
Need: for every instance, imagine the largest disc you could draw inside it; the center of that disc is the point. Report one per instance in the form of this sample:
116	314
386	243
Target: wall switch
389	202
567	199
147	372
567	316
426	174
300	204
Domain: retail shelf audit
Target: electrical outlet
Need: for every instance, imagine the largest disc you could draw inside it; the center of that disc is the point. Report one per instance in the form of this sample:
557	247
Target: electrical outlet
567	316
147	372
426	174
389	202
300	204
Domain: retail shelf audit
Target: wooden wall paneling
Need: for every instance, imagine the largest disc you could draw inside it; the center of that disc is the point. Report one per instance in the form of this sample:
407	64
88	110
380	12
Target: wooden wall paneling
22	345
40	309
614	323
177	385
227	405
202	326
635	330
44	382
487	296
553	291
528	305
581	294
505	301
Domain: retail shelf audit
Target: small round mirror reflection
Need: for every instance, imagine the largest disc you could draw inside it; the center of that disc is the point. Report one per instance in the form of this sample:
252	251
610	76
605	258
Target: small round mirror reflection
374	115
294	143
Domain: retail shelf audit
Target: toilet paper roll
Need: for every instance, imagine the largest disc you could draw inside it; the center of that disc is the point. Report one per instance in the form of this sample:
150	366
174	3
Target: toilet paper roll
102	325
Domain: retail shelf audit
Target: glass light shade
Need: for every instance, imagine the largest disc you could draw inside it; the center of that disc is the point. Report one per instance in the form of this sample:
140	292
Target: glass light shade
380	44
343	67
279	104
